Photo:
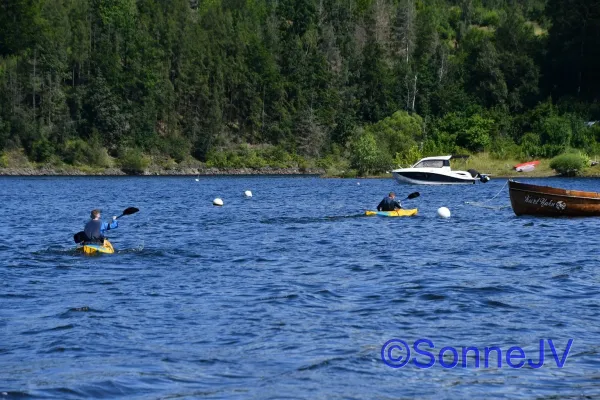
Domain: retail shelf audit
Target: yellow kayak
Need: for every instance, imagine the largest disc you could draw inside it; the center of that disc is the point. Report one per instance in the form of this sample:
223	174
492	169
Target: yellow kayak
396	213
97	248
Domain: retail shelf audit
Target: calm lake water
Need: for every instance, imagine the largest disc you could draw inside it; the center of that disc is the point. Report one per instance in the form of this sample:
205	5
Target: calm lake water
290	294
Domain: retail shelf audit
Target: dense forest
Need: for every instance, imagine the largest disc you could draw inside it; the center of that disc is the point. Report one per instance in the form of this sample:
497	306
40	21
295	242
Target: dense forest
231	83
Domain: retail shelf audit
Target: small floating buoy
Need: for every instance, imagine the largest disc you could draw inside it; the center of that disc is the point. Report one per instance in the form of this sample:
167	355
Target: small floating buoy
248	193
443	212
217	202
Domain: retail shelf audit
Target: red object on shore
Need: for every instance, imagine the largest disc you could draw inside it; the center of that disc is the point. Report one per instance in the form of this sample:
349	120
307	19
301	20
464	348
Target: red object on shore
528	166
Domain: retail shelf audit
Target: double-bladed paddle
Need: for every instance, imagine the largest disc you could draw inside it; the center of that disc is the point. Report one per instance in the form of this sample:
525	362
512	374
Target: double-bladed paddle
133	210
413	195
80	236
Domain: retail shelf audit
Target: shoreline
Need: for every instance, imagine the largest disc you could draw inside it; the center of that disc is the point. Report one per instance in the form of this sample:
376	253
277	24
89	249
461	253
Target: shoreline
59	171
201	171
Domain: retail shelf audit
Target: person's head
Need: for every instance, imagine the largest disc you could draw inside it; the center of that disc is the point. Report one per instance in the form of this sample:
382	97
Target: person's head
392	195
95	214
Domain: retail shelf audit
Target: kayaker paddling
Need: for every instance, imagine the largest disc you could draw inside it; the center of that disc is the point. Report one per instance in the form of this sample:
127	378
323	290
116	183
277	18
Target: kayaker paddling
92	238
389	203
94	230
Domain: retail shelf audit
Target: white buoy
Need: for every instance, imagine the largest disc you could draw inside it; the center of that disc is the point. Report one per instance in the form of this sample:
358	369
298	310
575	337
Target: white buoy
443	212
248	193
217	202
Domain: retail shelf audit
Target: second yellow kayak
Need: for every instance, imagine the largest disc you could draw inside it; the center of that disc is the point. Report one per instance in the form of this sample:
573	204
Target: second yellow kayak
396	213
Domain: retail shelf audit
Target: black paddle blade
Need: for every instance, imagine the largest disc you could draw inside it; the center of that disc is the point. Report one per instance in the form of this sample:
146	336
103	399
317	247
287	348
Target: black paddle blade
79	237
130	210
413	195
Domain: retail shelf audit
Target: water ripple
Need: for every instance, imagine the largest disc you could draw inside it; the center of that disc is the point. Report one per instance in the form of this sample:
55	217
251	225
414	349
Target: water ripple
290	294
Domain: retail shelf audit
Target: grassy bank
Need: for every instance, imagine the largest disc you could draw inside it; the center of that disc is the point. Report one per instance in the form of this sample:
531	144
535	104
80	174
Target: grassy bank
16	163
505	168
486	164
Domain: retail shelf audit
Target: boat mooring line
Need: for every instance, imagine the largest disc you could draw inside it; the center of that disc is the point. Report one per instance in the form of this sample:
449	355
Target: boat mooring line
482	204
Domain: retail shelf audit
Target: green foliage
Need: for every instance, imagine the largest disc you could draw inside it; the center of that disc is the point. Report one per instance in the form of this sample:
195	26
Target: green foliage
594	131
397	134
366	156
15	158
472	132
569	164
4	133
503	147
245	156
573	60
490	18
483	66
133	161
477	135
42	150
409	157
555	130
582	136
177	147
531	146
335	163
78	152
259	83
19	21
364	153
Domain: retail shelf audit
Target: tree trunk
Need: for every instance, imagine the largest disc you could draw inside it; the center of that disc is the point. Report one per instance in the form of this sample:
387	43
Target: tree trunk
33	81
414	94
406	28
581	59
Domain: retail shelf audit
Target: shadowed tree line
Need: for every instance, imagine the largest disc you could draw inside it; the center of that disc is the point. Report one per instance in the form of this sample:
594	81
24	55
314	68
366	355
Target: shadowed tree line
254	83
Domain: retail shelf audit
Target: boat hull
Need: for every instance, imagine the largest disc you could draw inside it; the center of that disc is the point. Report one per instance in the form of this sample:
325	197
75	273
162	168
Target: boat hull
527	199
526	167
396	213
97	248
430	178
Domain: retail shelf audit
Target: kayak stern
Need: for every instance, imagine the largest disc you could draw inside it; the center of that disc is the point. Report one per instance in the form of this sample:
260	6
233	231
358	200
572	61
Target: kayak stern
97	248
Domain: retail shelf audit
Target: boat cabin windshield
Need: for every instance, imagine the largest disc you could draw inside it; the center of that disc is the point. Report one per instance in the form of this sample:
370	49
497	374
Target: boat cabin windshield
432	164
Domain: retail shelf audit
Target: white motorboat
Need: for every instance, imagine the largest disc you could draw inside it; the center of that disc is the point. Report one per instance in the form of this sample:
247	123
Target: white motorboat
437	171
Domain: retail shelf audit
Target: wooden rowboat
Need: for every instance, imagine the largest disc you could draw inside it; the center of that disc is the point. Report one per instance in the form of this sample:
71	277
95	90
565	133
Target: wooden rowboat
527	199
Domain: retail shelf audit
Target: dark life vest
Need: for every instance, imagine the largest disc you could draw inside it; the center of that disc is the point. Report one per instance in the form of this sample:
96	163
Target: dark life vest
92	230
388	204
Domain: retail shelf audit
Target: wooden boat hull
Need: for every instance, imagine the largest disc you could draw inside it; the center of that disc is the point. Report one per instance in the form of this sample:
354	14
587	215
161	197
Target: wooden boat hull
527	199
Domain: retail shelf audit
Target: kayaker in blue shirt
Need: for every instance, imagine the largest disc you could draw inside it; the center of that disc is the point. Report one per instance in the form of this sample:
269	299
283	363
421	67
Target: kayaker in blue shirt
389	203
94	229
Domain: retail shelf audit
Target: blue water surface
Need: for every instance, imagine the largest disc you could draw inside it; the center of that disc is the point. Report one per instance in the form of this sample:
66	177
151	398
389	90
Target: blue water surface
291	293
